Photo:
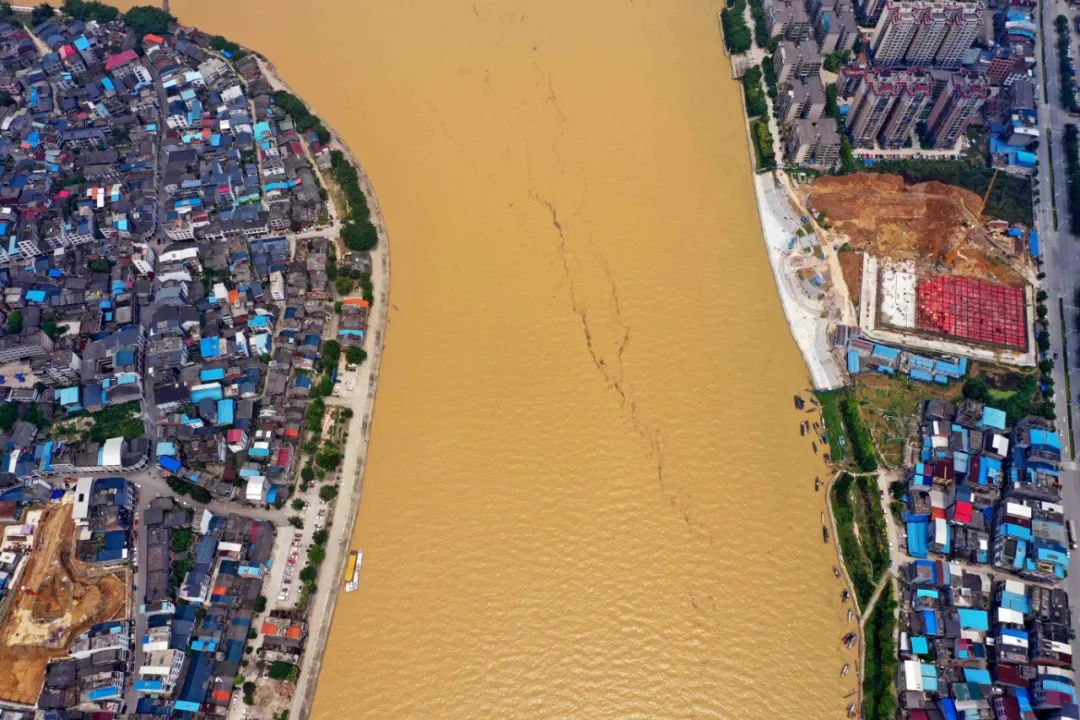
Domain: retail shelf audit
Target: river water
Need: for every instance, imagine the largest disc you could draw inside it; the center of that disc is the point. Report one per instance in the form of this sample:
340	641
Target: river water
586	494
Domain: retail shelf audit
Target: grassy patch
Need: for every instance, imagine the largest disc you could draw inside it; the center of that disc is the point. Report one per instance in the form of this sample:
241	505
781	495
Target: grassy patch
873	535
755	93
861	530
879	692
834	424
124	420
855	559
1017	393
862	446
889	405
764	154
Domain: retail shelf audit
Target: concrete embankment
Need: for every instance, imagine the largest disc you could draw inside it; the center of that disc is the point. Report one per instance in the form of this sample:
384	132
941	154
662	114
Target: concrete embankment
779	223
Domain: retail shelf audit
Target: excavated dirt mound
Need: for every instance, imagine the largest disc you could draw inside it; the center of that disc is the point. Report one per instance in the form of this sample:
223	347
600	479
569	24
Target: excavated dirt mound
936	225
57	599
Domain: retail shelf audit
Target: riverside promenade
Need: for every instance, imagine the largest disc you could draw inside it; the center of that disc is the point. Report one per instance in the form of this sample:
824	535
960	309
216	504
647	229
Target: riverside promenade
362	403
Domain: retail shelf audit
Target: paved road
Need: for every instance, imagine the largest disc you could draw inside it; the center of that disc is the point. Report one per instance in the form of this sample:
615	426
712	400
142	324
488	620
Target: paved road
1061	263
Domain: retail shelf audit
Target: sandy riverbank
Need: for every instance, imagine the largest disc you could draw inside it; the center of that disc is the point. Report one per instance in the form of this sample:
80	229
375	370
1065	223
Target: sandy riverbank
362	403
779	222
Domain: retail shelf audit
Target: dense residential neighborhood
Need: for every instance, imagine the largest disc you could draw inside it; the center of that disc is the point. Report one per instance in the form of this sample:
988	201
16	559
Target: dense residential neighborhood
186	283
985	626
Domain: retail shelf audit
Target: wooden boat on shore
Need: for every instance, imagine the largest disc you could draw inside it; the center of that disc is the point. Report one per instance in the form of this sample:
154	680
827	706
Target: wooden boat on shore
352	570
836	572
845	670
851	710
850	615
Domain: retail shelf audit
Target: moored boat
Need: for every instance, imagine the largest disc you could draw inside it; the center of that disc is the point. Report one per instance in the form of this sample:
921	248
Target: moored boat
845	670
352	570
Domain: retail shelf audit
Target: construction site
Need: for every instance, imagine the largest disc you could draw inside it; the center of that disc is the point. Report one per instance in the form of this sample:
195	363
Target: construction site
925	268
55	599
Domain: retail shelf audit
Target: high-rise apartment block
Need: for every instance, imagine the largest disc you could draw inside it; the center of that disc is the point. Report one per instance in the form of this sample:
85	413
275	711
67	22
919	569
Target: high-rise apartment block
962	97
812	144
802	99
834	25
886	105
868	11
925	34
794	60
788	18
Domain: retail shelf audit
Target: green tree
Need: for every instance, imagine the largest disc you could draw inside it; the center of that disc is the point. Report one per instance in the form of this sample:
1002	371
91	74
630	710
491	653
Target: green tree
90	10
307	473
297	522
298	505
50	328
9	413
41	13
328	492
308	574
281	670
320	536
222	44
977	388
755	94
181	539
737	35
331	354
34	414
329	458
260	604
314	414
355	355
316	554
14	322
147	19
100	265
343	285
360	236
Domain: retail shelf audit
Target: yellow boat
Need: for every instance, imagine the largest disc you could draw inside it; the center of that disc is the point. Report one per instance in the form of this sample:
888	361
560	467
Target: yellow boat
352	570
